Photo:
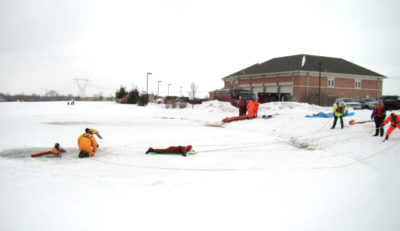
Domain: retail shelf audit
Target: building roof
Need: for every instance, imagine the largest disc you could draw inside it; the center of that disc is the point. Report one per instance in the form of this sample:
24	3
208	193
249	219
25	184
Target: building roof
305	62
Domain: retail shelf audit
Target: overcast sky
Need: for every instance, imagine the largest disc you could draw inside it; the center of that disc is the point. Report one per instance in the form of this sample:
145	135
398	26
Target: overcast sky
46	44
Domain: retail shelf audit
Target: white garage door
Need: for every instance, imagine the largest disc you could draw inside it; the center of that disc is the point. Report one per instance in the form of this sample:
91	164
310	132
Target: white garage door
256	90
271	89
286	89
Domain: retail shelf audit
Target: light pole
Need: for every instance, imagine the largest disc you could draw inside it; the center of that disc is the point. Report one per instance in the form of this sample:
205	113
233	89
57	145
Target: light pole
158	88
319	88
168	88
147	84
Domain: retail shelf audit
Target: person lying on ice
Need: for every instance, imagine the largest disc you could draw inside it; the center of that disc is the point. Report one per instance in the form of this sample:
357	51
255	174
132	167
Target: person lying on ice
94	131
56	150
172	149
87	144
394	122
339	110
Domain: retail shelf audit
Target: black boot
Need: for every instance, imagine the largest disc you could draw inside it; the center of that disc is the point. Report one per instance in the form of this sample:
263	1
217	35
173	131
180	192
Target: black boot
149	150
83	154
376	132
382	131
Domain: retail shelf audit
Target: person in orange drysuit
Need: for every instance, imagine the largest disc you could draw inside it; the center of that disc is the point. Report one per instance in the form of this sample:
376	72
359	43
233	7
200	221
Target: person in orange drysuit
395	122
256	105
87	144
57	150
172	149
250	109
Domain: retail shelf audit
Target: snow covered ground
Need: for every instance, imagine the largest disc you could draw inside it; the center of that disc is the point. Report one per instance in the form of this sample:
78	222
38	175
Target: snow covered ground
284	173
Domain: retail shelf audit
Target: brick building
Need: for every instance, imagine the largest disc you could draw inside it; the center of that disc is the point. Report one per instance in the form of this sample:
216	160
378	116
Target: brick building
303	76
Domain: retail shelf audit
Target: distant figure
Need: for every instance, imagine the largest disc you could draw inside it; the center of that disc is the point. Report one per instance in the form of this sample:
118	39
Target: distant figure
242	107
87	144
72	102
339	110
172	149
394	123
379	115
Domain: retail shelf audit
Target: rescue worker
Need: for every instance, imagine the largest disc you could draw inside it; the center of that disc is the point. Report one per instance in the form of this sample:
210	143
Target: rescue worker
57	150
172	149
87	144
250	109
256	106
379	115
339	110
242	107
94	131
394	122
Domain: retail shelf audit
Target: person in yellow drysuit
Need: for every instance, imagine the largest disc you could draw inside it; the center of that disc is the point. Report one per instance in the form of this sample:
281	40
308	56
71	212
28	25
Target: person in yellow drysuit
87	144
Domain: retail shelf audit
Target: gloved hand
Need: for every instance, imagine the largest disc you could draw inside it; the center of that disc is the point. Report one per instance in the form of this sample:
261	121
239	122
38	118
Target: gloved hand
100	137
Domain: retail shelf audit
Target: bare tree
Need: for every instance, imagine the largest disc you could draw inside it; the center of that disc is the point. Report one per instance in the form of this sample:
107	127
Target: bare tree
193	90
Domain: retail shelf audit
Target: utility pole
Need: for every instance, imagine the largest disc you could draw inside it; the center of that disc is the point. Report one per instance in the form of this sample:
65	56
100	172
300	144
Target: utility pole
319	88
82	84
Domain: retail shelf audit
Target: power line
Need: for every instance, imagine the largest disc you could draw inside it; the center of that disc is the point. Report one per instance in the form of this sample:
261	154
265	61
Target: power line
82	85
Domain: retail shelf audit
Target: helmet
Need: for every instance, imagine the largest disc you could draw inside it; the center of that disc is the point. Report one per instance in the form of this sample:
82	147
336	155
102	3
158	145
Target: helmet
56	145
341	103
189	147
88	130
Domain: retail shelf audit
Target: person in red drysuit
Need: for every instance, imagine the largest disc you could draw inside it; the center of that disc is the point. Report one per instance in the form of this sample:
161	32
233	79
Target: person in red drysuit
395	123
242	107
172	149
379	115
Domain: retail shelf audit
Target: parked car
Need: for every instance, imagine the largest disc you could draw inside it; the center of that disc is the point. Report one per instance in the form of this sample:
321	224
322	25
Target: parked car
159	100
367	103
391	102
349	103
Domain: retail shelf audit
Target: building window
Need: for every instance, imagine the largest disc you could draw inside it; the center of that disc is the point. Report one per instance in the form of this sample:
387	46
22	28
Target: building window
357	84
331	83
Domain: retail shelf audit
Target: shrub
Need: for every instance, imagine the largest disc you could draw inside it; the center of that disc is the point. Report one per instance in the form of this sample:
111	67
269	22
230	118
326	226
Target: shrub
143	100
133	96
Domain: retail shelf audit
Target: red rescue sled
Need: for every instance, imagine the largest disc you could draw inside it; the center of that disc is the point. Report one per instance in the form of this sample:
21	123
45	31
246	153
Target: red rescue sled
235	118
40	154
